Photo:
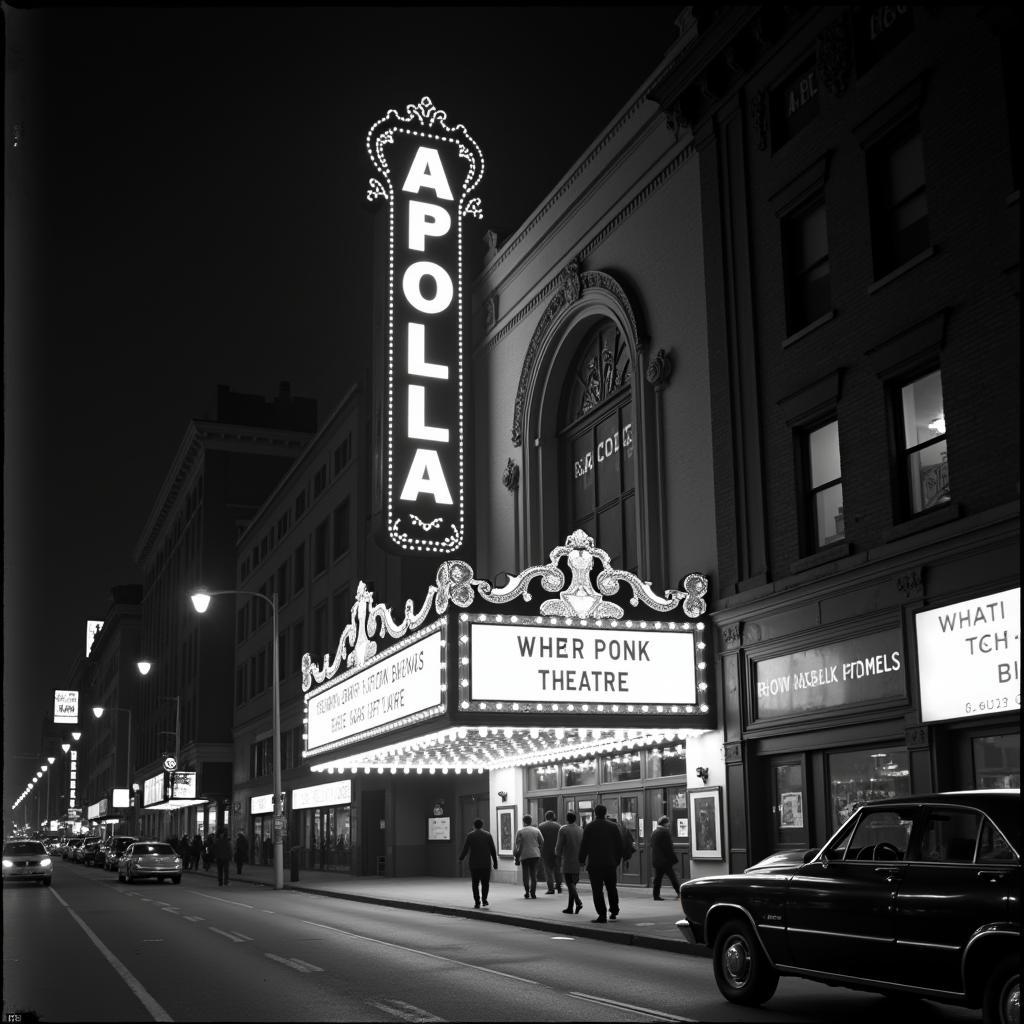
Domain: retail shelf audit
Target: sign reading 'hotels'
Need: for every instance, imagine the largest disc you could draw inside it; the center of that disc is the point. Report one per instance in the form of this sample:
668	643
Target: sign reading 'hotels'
427	172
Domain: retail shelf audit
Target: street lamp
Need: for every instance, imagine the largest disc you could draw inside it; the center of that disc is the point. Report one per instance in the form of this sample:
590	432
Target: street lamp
201	601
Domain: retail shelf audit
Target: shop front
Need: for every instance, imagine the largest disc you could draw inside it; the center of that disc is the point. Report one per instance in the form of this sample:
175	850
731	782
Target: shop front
486	704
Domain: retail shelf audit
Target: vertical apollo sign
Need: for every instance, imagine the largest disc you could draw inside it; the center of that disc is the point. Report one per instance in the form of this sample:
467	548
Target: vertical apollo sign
426	173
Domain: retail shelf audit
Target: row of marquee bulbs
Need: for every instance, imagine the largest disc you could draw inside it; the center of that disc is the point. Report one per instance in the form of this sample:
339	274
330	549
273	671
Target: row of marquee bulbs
458	749
43	769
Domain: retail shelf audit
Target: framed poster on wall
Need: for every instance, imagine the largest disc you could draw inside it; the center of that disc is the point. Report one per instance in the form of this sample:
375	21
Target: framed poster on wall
705	806
506	830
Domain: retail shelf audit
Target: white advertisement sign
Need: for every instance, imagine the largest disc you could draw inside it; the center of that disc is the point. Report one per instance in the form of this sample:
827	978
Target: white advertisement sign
122	798
326	795
382	694
582	666
65	706
153	790
262	804
969	657
183	785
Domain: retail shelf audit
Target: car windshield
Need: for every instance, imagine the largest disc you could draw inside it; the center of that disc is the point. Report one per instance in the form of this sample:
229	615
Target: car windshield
18	849
145	848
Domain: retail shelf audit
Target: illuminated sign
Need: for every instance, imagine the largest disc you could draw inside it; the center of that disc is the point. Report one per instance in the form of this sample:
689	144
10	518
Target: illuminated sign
326	795
968	657
427	172
92	629
65	706
182	785
585	666
122	798
856	671
405	684
262	804
153	790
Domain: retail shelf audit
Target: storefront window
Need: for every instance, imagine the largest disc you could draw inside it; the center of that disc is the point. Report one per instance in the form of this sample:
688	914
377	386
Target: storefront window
621	767
856	776
544	776
666	761
580	773
997	761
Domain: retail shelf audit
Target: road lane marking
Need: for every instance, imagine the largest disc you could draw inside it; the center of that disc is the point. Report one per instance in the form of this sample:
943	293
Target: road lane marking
233	936
171	910
295	963
156	1011
193	917
410	949
220	899
404	1011
656	1014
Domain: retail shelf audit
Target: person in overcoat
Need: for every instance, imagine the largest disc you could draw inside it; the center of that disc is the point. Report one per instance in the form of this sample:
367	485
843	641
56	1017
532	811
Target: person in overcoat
526	851
600	853
663	857
549	830
479	847
567	856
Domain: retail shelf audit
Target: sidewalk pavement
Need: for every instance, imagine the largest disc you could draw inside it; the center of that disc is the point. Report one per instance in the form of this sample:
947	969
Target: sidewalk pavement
642	921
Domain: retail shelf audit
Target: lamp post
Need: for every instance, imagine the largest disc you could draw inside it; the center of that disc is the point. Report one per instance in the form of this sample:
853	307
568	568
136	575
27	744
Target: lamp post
46	767
201	601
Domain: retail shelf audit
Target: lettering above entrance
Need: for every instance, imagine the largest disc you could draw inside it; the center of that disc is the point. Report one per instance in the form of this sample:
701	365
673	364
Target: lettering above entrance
426	173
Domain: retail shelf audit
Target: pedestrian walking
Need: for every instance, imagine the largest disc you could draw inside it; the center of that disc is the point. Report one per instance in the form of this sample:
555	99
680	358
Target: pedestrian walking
549	830
663	857
197	851
241	852
528	845
222	855
479	847
185	849
600	853
208	857
567	855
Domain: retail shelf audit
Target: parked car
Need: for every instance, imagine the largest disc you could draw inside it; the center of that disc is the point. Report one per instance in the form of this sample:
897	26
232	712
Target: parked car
782	861
115	849
99	858
88	851
69	848
147	859
27	860
916	896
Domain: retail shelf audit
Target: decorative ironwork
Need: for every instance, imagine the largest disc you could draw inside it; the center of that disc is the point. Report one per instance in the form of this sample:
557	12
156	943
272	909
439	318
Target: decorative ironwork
659	369
510	478
835	55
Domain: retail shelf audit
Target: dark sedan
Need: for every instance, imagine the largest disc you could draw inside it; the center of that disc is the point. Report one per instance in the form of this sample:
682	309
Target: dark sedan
917	896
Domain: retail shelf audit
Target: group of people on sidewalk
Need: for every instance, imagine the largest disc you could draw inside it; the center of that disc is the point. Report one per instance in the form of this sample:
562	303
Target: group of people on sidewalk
565	852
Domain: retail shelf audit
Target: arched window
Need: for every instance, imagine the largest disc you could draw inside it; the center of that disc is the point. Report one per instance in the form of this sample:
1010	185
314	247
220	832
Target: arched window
597	440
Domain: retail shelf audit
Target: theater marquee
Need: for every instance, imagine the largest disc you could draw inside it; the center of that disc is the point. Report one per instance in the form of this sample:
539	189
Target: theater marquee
426	173
604	653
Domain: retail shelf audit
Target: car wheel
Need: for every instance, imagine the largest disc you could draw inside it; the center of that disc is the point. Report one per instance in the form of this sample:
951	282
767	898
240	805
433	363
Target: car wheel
1002	993
176	879
742	971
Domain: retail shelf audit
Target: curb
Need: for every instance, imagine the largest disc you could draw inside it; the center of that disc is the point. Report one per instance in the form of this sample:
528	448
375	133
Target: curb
601	934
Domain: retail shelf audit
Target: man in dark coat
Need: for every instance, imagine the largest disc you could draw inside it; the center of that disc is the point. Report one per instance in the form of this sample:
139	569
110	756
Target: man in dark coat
600	852
479	847
222	855
241	852
549	829
663	857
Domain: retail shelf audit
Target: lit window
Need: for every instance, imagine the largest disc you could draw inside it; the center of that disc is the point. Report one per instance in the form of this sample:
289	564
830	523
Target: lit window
926	472
825	485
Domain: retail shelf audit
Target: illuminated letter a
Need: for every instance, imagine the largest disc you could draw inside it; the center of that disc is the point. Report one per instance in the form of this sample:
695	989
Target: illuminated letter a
427	171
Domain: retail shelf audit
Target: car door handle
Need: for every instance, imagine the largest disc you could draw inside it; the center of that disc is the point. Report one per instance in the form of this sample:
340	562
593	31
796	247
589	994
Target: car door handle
991	876
891	874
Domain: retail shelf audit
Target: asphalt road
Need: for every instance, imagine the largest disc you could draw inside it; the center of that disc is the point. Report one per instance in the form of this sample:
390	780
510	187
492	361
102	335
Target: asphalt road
92	949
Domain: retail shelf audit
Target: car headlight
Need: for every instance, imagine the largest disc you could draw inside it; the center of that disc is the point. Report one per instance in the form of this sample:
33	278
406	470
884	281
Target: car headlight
45	862
8	863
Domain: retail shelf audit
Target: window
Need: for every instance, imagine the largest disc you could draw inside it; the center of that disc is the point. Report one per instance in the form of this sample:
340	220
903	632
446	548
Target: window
299	574
298	640
319	643
259	684
300	505
320	548
806	265
341	529
282	654
899	204
621	767
825	485
664	761
543	776
580	773
597	432
240	630
950	836
342	454
282	583
282	526
341	610
880	835
240	694
925	470
319	481
856	776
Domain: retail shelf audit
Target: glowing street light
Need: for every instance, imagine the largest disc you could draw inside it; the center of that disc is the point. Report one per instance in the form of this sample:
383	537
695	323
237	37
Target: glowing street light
201	601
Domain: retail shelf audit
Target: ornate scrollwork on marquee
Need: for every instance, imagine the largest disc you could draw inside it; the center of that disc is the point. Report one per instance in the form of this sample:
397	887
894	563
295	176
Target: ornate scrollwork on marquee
456	584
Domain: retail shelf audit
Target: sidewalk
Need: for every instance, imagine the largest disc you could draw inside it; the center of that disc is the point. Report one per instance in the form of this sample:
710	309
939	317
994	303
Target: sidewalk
642	921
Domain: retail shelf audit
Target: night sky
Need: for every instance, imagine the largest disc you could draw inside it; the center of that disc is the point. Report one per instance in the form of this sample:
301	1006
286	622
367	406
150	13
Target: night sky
185	207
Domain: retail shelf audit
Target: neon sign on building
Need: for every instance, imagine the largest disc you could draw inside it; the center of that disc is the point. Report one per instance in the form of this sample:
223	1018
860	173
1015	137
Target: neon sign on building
426	173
